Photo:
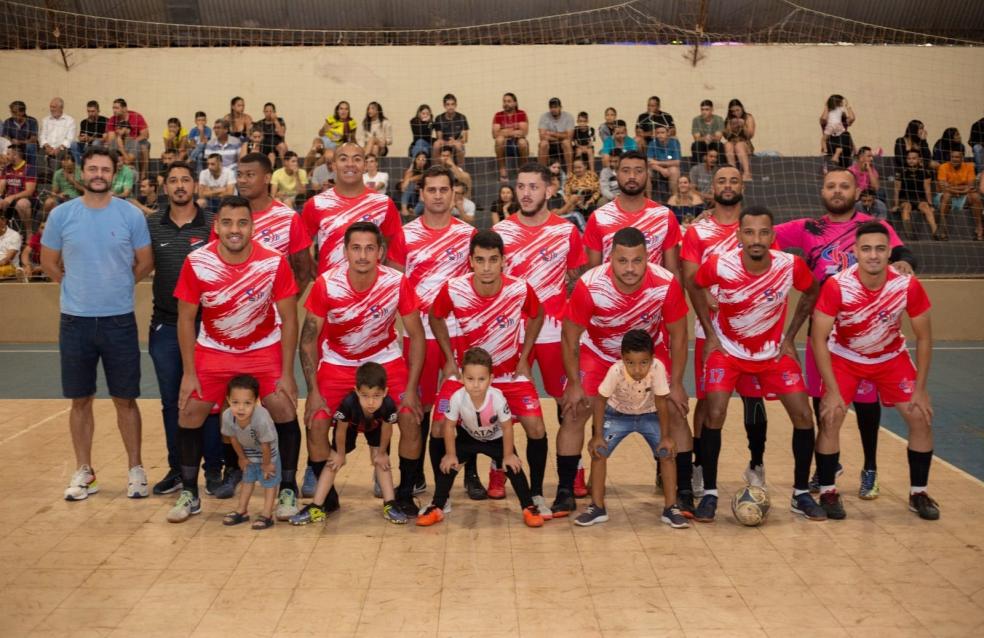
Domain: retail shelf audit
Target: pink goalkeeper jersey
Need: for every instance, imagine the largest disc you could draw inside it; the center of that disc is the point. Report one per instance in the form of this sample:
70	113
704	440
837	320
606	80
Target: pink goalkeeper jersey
867	326
656	222
752	308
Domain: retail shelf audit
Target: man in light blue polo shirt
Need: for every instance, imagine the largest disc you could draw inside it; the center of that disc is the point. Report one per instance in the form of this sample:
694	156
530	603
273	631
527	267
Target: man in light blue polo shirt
664	156
97	247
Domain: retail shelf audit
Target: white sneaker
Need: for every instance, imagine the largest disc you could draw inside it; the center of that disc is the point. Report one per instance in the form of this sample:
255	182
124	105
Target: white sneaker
541	504
82	484
697	482
136	486
287	505
185	508
755	476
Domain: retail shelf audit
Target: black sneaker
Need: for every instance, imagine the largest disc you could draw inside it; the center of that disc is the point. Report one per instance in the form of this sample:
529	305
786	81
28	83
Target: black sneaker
926	507
706	509
831	503
685	500
473	485
564	504
227	489
408	506
332	504
170	483
213	480
804	505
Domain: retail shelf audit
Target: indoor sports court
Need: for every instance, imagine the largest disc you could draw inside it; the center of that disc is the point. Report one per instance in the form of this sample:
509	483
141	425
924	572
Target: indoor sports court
832	87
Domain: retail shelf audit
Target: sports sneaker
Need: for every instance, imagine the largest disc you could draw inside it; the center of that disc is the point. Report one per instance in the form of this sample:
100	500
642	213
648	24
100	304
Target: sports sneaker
592	516
213	481
673	516
431	516
497	484
541	505
82	484
473	485
420	487
187	506
697	482
815	479
804	505
286	505
755	476
136	483
869	485
831	503
170	483
377	490
408	506
394	515
309	484
926	507
311	513
230	480
706	509
564	504
580	487
532	517
685	501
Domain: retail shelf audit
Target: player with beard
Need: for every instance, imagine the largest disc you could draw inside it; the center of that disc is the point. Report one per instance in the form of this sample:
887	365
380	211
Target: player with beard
545	251
715	234
827	245
752	285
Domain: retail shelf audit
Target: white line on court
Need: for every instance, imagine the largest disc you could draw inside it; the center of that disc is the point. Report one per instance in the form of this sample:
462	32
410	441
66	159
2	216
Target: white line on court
31	427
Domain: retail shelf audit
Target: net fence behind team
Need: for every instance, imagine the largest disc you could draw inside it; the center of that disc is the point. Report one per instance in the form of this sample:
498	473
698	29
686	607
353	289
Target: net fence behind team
780	58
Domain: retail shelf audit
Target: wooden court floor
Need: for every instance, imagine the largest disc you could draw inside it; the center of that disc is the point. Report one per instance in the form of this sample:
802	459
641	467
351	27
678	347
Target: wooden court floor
110	566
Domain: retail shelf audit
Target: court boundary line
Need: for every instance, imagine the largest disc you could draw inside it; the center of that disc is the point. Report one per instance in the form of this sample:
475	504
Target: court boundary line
36	425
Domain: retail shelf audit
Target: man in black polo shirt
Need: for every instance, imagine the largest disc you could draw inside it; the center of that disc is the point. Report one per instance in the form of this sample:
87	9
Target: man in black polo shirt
647	122
174	232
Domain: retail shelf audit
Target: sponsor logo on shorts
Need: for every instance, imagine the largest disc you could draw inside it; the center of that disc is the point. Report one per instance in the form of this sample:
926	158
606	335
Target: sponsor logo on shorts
443	406
530	403
906	386
866	387
788	378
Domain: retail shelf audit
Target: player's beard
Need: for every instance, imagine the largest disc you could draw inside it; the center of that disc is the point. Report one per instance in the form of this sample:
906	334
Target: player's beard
838	209
632	192
735	199
536	206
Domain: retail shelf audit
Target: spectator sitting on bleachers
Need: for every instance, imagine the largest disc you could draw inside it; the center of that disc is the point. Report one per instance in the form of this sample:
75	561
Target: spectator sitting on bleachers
505	204
976	142
57	134
914	139
274	133
422	131
584	137
869	204
608	182
464	208
66	183
556	128
707	130
124	179
175	140
646	123
18	187
147	199
617	144
702	175
198	137
289	181
224	145
686	203
373	178
240	122
10	249
409	194
914	190
949	141
556	203
22	131
214	183
254	144
92	130
30	259
664	156
956	180
339	127
451	129
583	189
323	173
557	169
835	141
607	128
138	131
864	171
126	146
167	158
510	127
461	176
376	132
739	129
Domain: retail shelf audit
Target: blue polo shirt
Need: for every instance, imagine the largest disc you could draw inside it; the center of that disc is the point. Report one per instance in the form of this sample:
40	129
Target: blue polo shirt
97	246
662	153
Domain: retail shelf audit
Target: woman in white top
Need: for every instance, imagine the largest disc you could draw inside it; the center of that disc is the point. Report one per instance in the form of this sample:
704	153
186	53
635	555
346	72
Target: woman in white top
376	133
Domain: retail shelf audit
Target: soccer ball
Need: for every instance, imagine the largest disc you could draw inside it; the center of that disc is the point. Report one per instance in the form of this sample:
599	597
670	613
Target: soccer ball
750	505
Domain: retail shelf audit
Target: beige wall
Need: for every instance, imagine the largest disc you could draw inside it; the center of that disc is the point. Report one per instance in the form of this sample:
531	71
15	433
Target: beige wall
784	86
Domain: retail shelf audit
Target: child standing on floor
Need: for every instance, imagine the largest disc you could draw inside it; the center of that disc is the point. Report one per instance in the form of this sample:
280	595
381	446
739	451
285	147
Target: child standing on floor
631	399
367	409
254	437
484	426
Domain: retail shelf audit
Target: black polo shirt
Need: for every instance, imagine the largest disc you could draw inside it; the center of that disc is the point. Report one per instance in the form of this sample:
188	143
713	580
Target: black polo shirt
171	245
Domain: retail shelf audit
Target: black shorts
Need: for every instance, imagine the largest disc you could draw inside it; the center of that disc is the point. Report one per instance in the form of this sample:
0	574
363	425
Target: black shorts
352	433
468	447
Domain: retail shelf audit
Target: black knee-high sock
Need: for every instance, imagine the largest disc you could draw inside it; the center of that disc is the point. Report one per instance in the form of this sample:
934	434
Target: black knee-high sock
317	467
442	487
803	444
231	458
424	431
756	425
827	467
289	445
869	420
816	420
536	457
710	442
191	440
520	487
918	467
566	469
437	452
684	471
408	477
471	467
698	453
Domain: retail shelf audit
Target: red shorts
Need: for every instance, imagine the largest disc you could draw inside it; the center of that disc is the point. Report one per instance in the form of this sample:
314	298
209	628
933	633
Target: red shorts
723	371
521	397
550	359
594	368
215	368
335	381
431	371
814	384
894	379
747	386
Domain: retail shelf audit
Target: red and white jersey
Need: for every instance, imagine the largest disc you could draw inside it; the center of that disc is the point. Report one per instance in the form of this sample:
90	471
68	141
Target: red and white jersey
493	322
237	300
656	222
435	255
360	326
606	313
542	255
752	308
327	215
278	228
868	323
